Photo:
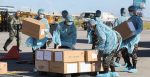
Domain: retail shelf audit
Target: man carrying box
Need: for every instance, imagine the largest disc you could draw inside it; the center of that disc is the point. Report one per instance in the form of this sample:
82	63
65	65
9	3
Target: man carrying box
39	43
108	44
130	45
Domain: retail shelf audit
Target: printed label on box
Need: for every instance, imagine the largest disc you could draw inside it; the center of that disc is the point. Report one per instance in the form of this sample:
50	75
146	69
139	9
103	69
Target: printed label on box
72	68
47	55
94	55
39	55
58	56
131	26
42	32
85	67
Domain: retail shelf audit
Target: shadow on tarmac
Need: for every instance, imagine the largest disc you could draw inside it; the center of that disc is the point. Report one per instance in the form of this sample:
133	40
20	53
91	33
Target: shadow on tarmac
144	53
145	44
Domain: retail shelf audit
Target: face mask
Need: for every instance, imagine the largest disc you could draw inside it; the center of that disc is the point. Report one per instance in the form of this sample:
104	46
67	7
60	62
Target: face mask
131	14
69	23
123	14
41	16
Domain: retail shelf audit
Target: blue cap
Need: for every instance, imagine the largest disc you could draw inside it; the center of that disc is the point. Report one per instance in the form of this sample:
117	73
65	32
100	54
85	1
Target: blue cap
132	8
41	11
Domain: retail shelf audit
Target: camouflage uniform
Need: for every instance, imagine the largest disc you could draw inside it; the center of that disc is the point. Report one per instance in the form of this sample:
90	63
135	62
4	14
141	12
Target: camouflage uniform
12	28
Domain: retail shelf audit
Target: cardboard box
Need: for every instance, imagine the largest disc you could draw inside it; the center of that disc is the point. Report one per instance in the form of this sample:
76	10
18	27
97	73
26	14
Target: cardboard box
91	55
3	67
69	56
84	67
39	55
63	68
33	28
42	65
126	29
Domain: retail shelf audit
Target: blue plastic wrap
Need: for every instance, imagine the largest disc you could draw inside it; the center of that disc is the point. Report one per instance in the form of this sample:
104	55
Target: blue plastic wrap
35	43
107	37
56	37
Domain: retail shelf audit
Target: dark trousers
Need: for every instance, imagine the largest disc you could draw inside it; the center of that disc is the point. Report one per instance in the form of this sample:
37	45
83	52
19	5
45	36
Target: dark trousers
127	56
10	39
119	55
94	40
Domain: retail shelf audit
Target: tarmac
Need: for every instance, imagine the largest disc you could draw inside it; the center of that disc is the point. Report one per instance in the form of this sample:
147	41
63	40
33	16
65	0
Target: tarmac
26	70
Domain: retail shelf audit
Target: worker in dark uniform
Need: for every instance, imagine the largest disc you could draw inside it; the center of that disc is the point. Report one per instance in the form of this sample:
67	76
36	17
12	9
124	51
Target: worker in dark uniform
14	21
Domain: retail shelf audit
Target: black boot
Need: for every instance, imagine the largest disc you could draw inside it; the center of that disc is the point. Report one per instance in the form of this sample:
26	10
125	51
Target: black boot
5	49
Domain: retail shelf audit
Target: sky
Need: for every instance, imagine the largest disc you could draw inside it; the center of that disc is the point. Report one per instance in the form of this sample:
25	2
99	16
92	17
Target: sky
74	6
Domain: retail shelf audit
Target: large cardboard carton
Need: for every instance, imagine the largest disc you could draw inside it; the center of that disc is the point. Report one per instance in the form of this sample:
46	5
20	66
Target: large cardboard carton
33	28
3	67
63	68
84	67
42	65
126	29
69	56
91	55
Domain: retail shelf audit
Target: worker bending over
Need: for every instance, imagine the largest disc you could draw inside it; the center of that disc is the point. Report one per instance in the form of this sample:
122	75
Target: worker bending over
108	44
66	34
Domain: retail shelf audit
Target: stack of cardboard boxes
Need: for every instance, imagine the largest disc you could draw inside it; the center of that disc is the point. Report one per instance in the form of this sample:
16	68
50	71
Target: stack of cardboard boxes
66	61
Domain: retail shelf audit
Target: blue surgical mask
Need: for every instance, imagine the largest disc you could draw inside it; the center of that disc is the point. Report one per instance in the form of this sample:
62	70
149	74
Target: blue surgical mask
41	16
69	23
123	14
131	14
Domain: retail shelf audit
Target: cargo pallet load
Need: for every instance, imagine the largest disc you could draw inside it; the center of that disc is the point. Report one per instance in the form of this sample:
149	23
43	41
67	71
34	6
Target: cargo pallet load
66	63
